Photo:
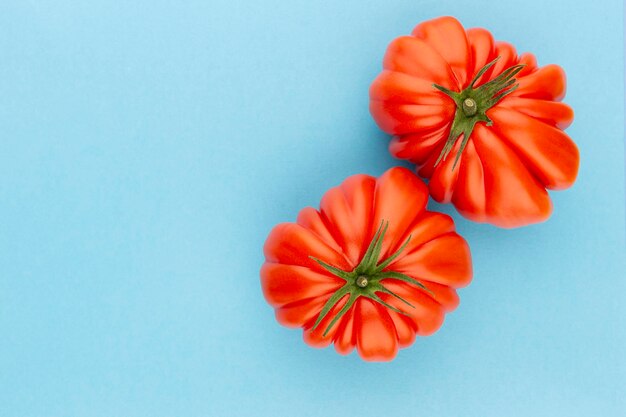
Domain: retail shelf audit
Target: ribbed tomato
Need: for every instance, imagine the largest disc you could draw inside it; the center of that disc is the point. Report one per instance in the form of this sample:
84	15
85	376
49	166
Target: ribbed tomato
483	123
372	268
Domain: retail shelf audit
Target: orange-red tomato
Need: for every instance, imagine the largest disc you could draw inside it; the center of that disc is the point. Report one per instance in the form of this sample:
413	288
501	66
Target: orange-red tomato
372	268
483	123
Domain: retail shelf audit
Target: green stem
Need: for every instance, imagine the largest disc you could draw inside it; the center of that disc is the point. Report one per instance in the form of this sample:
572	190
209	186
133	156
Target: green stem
472	105
365	280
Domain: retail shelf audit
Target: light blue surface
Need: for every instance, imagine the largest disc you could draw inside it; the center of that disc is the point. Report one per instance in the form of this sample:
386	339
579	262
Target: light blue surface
148	147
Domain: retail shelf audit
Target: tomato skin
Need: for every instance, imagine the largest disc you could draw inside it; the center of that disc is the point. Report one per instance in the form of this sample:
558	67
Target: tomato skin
297	287
504	171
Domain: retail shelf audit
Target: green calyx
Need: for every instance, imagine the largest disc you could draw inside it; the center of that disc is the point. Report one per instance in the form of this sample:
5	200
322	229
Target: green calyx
366	280
472	105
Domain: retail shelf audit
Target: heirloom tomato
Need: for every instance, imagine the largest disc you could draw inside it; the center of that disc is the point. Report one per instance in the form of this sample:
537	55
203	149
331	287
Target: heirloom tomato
371	269
482	123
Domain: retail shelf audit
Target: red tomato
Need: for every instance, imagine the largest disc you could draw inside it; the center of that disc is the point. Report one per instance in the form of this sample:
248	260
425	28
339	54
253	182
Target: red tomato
372	268
483	123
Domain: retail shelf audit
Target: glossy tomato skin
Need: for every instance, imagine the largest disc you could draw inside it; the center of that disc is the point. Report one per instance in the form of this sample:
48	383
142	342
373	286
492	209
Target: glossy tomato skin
297	286
504	172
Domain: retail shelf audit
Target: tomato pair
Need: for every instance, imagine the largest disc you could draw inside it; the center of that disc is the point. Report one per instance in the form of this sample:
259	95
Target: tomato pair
372	268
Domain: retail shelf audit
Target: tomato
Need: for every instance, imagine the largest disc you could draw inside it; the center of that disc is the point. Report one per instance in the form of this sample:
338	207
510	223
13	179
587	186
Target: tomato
371	269
483	123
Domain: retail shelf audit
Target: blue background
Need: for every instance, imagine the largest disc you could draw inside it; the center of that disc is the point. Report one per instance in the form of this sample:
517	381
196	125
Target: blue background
147	149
